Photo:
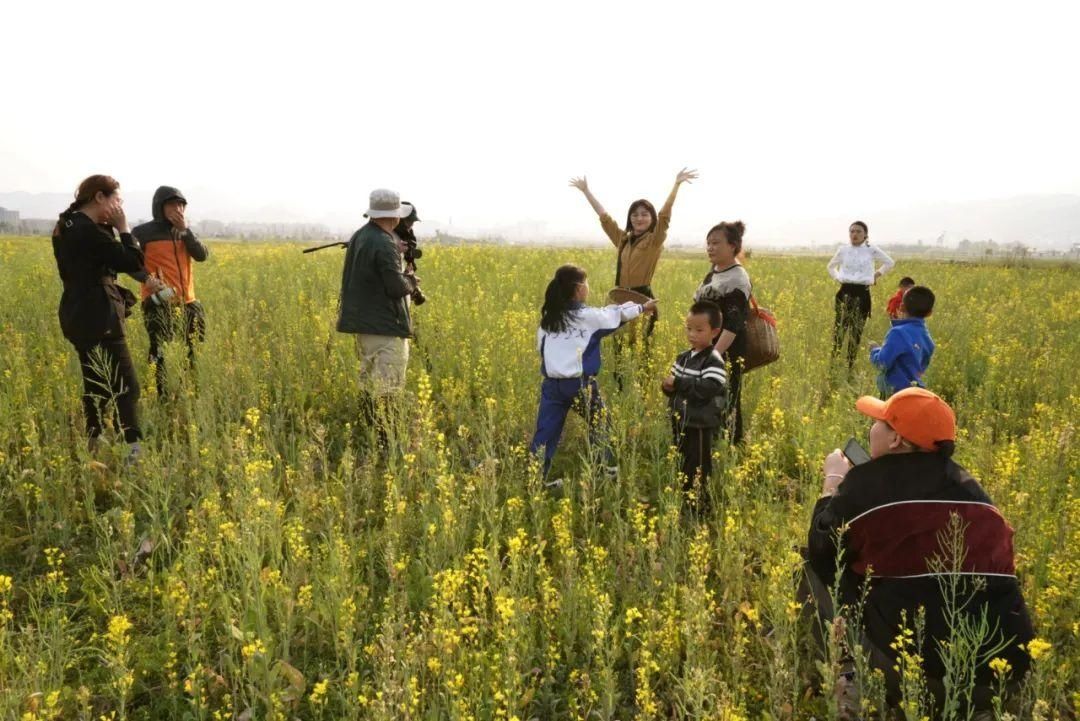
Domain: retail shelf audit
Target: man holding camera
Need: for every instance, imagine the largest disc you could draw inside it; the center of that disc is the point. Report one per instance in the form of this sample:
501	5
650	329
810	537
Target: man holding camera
168	289
375	287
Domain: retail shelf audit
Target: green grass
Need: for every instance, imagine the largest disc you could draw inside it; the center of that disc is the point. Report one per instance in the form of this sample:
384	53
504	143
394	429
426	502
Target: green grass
292	574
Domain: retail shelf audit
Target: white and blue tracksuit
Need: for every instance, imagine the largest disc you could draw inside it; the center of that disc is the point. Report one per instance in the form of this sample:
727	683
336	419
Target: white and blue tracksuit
569	362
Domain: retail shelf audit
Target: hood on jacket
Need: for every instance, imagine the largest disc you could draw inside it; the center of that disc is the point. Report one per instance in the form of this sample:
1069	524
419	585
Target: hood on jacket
162	196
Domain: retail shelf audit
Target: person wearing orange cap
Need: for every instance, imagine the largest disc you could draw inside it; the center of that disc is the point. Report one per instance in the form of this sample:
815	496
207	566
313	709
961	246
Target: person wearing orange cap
891	515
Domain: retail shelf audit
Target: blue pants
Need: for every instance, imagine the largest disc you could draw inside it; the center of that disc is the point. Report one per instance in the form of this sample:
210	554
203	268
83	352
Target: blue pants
558	396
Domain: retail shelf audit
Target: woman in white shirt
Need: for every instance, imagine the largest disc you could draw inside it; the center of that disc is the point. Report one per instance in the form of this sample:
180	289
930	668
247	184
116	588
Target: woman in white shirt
856	268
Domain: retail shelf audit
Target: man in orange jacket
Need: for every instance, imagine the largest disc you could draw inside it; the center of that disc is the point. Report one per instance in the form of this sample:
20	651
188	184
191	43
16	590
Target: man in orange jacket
168	289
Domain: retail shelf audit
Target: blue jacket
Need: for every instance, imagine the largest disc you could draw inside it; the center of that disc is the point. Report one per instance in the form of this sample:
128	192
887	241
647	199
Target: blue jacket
905	354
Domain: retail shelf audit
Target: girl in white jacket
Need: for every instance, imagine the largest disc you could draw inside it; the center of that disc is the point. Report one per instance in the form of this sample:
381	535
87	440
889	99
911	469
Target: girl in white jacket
568	341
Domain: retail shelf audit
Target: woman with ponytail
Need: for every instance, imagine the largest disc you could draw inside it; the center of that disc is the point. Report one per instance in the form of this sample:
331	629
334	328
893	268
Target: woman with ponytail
728	286
93	306
569	344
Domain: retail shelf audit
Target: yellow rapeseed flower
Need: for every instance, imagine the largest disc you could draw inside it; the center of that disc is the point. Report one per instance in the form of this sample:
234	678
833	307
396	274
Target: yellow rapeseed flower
118	630
1037	648
318	692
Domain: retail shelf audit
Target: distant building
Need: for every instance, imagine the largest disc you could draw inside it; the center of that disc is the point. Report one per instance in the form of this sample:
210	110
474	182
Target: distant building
9	219
37	226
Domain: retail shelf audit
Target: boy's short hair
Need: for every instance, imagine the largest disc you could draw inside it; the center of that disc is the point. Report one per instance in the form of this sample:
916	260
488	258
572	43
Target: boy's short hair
704	307
918	301
906	282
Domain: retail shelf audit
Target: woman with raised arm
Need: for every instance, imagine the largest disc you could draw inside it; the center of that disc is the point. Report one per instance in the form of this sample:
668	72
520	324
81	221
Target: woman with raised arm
638	244
93	306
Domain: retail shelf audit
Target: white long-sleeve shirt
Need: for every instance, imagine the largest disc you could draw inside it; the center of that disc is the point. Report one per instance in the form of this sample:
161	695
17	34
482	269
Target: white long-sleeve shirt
576	351
855	263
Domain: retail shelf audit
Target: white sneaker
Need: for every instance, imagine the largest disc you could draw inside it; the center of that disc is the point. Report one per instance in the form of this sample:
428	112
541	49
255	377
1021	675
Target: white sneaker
554	488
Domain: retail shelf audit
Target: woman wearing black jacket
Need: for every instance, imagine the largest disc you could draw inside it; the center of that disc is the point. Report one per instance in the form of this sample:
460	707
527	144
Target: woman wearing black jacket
728	286
93	306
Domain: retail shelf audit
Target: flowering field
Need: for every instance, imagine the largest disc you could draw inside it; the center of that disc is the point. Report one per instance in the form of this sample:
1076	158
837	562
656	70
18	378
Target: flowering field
262	563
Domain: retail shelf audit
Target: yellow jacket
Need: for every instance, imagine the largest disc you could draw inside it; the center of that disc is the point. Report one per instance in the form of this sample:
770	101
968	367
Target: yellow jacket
639	256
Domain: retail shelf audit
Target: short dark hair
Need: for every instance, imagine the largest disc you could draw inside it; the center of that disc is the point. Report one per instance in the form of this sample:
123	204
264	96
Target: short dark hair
918	301
864	226
704	307
733	233
906	282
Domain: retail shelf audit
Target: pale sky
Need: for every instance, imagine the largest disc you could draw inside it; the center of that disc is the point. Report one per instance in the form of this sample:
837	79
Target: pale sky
480	112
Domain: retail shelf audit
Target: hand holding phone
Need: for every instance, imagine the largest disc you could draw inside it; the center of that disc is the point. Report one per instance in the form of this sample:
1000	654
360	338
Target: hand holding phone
855	453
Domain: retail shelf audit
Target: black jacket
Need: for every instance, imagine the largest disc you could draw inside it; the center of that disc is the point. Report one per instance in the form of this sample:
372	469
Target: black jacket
93	306
373	286
701	386
897	509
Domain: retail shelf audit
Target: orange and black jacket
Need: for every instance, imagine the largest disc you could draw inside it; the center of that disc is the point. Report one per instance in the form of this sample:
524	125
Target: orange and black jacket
893	515
169	256
93	306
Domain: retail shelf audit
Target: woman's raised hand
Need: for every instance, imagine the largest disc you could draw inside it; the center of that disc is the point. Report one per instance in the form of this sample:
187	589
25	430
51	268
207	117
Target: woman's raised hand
686	176
118	218
581	184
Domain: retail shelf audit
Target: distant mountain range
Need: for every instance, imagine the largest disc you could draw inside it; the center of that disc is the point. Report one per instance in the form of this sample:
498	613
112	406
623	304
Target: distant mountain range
1038	221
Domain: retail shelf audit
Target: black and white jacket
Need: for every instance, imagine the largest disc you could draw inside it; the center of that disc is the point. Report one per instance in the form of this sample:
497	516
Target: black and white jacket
701	389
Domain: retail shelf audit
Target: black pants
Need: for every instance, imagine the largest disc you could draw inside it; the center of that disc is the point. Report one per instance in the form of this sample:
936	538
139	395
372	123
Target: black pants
162	323
109	379
852	310
695	447
734	414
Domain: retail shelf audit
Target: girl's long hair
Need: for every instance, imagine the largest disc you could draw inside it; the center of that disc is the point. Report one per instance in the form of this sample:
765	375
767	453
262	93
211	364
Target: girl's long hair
556	312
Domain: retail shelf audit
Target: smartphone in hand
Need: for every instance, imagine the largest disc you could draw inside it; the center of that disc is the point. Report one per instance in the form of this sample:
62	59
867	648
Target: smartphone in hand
855	453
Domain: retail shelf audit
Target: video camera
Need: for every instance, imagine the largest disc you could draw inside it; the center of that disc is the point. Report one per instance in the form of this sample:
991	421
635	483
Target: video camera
412	253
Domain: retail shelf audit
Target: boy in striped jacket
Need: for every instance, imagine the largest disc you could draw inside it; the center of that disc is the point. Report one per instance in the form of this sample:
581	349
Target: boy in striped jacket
697	390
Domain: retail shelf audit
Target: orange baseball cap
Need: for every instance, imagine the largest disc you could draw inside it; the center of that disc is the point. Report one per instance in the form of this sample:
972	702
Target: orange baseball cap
916	414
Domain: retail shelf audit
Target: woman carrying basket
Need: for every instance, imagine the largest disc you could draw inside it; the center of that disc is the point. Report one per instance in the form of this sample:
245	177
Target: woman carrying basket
728	286
638	244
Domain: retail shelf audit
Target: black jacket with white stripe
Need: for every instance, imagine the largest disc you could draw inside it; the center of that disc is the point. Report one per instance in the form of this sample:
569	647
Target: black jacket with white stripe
701	389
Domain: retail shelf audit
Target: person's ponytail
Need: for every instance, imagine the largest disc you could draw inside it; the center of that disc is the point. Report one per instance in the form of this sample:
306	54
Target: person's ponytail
554	315
85	194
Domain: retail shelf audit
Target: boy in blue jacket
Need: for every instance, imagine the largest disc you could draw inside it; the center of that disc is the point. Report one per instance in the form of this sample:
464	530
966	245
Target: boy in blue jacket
906	351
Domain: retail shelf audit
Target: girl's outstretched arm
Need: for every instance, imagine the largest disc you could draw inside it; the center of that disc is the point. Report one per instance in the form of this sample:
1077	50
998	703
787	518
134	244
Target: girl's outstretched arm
611	229
685	176
663	219
582	184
